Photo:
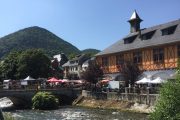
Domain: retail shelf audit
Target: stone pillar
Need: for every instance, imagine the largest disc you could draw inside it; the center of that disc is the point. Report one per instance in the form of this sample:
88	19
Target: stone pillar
84	93
126	92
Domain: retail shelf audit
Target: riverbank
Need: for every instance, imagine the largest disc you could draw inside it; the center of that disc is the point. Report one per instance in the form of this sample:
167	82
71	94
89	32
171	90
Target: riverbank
115	105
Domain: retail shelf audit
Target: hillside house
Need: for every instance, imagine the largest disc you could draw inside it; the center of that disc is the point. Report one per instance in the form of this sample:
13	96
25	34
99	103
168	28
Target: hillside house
73	67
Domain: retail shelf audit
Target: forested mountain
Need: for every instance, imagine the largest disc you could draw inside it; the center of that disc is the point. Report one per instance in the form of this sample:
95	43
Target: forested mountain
36	37
90	51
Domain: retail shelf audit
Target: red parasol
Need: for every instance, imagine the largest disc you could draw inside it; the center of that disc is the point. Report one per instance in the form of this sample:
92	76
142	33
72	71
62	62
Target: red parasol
54	80
104	81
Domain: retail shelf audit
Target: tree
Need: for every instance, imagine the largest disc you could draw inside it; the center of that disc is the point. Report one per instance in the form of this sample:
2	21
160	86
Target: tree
57	70
168	104
20	64
44	101
33	62
63	60
130	72
93	73
9	66
71	56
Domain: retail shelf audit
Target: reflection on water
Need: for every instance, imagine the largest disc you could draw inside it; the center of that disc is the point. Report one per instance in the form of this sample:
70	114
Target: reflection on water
74	113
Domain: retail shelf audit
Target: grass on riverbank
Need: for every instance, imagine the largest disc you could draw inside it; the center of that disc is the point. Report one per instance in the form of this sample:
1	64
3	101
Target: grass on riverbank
8	116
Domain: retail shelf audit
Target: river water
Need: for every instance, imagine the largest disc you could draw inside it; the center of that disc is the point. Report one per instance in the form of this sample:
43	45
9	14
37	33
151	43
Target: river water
76	113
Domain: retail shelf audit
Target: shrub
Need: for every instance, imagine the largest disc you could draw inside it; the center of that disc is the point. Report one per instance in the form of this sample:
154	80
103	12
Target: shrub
44	101
168	105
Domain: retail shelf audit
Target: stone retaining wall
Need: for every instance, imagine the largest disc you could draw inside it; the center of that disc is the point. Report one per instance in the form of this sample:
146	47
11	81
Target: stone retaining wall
148	99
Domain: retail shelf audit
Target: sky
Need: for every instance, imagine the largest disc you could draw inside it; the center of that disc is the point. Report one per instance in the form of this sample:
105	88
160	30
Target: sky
85	23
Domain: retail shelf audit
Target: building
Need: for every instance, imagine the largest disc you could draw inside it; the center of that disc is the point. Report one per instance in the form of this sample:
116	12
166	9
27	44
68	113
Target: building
155	49
86	64
73	67
60	58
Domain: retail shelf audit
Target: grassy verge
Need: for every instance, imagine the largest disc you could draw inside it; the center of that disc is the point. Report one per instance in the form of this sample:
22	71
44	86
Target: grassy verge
8	116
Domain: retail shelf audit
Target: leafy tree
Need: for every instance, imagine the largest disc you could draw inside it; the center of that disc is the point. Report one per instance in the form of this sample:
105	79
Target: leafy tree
130	72
57	70
44	101
33	62
64	59
9	66
93	73
168	104
21	64
71	56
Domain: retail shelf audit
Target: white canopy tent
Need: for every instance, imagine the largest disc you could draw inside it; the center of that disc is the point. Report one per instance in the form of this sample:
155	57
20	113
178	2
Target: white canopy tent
143	81
29	78
158	80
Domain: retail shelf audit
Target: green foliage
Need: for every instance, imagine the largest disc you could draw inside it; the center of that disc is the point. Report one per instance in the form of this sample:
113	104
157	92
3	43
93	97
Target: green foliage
21	64
90	52
93	73
57	70
71	56
8	67
168	104
35	37
45	101
34	63
130	72
8	116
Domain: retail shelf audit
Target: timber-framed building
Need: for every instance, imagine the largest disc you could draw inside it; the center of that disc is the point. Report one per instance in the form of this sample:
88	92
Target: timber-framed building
155	49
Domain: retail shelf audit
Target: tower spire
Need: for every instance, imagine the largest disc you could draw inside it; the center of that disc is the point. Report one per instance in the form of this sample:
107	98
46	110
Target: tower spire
135	21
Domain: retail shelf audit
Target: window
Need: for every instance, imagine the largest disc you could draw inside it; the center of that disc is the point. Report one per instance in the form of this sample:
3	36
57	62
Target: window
105	61
178	50
147	36
119	59
137	57
129	39
158	55
169	30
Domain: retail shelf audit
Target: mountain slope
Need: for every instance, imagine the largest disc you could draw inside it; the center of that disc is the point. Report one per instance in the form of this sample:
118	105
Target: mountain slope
90	51
35	37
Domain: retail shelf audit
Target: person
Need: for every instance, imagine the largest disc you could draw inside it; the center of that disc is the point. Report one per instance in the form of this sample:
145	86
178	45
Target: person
1	115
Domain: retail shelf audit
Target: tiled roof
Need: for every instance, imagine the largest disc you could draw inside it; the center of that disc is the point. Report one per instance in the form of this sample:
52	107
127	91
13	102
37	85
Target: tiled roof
156	40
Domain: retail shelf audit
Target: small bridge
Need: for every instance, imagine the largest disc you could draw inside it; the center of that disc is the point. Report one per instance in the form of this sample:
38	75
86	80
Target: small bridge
23	98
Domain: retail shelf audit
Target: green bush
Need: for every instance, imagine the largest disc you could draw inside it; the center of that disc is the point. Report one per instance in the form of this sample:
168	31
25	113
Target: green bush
44	101
168	104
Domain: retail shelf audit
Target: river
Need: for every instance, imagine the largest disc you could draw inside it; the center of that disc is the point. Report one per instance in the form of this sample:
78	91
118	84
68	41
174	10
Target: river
76	113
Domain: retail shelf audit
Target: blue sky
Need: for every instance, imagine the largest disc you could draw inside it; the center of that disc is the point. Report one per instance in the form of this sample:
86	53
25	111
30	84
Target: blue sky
85	23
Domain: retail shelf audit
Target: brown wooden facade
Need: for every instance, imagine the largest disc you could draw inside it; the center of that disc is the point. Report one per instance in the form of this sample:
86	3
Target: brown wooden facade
148	59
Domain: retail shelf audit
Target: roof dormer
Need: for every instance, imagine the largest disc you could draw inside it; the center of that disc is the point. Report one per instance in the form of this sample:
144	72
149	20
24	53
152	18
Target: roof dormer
168	31
129	40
